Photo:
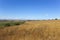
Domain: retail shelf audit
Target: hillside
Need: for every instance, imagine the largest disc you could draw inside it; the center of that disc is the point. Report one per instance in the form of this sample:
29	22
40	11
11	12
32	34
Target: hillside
32	30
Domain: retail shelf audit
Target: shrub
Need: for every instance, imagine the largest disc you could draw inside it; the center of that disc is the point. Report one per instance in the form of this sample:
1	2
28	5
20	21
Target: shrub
17	23
56	19
23	22
7	24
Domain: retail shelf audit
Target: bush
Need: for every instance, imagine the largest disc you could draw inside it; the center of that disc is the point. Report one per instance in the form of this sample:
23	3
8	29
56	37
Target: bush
16	23
56	19
23	22
7	24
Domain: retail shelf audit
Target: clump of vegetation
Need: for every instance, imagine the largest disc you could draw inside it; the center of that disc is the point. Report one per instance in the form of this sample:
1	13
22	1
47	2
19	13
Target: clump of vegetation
9	23
16	23
56	19
19	23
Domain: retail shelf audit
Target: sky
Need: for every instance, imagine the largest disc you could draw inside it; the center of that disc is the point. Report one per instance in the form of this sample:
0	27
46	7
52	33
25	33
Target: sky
29	9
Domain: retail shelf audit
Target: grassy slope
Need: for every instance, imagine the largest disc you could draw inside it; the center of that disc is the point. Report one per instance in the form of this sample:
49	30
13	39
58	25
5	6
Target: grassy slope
32	30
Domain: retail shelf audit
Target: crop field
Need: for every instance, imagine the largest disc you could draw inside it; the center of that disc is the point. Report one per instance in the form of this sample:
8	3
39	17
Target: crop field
32	30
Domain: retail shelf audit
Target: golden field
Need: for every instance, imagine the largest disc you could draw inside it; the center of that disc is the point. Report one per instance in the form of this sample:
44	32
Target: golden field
32	30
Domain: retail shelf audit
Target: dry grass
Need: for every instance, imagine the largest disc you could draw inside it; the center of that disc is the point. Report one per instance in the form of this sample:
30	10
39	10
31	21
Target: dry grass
33	30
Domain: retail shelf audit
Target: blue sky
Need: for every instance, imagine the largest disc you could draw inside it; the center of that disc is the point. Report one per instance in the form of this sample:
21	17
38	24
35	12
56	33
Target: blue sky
29	9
